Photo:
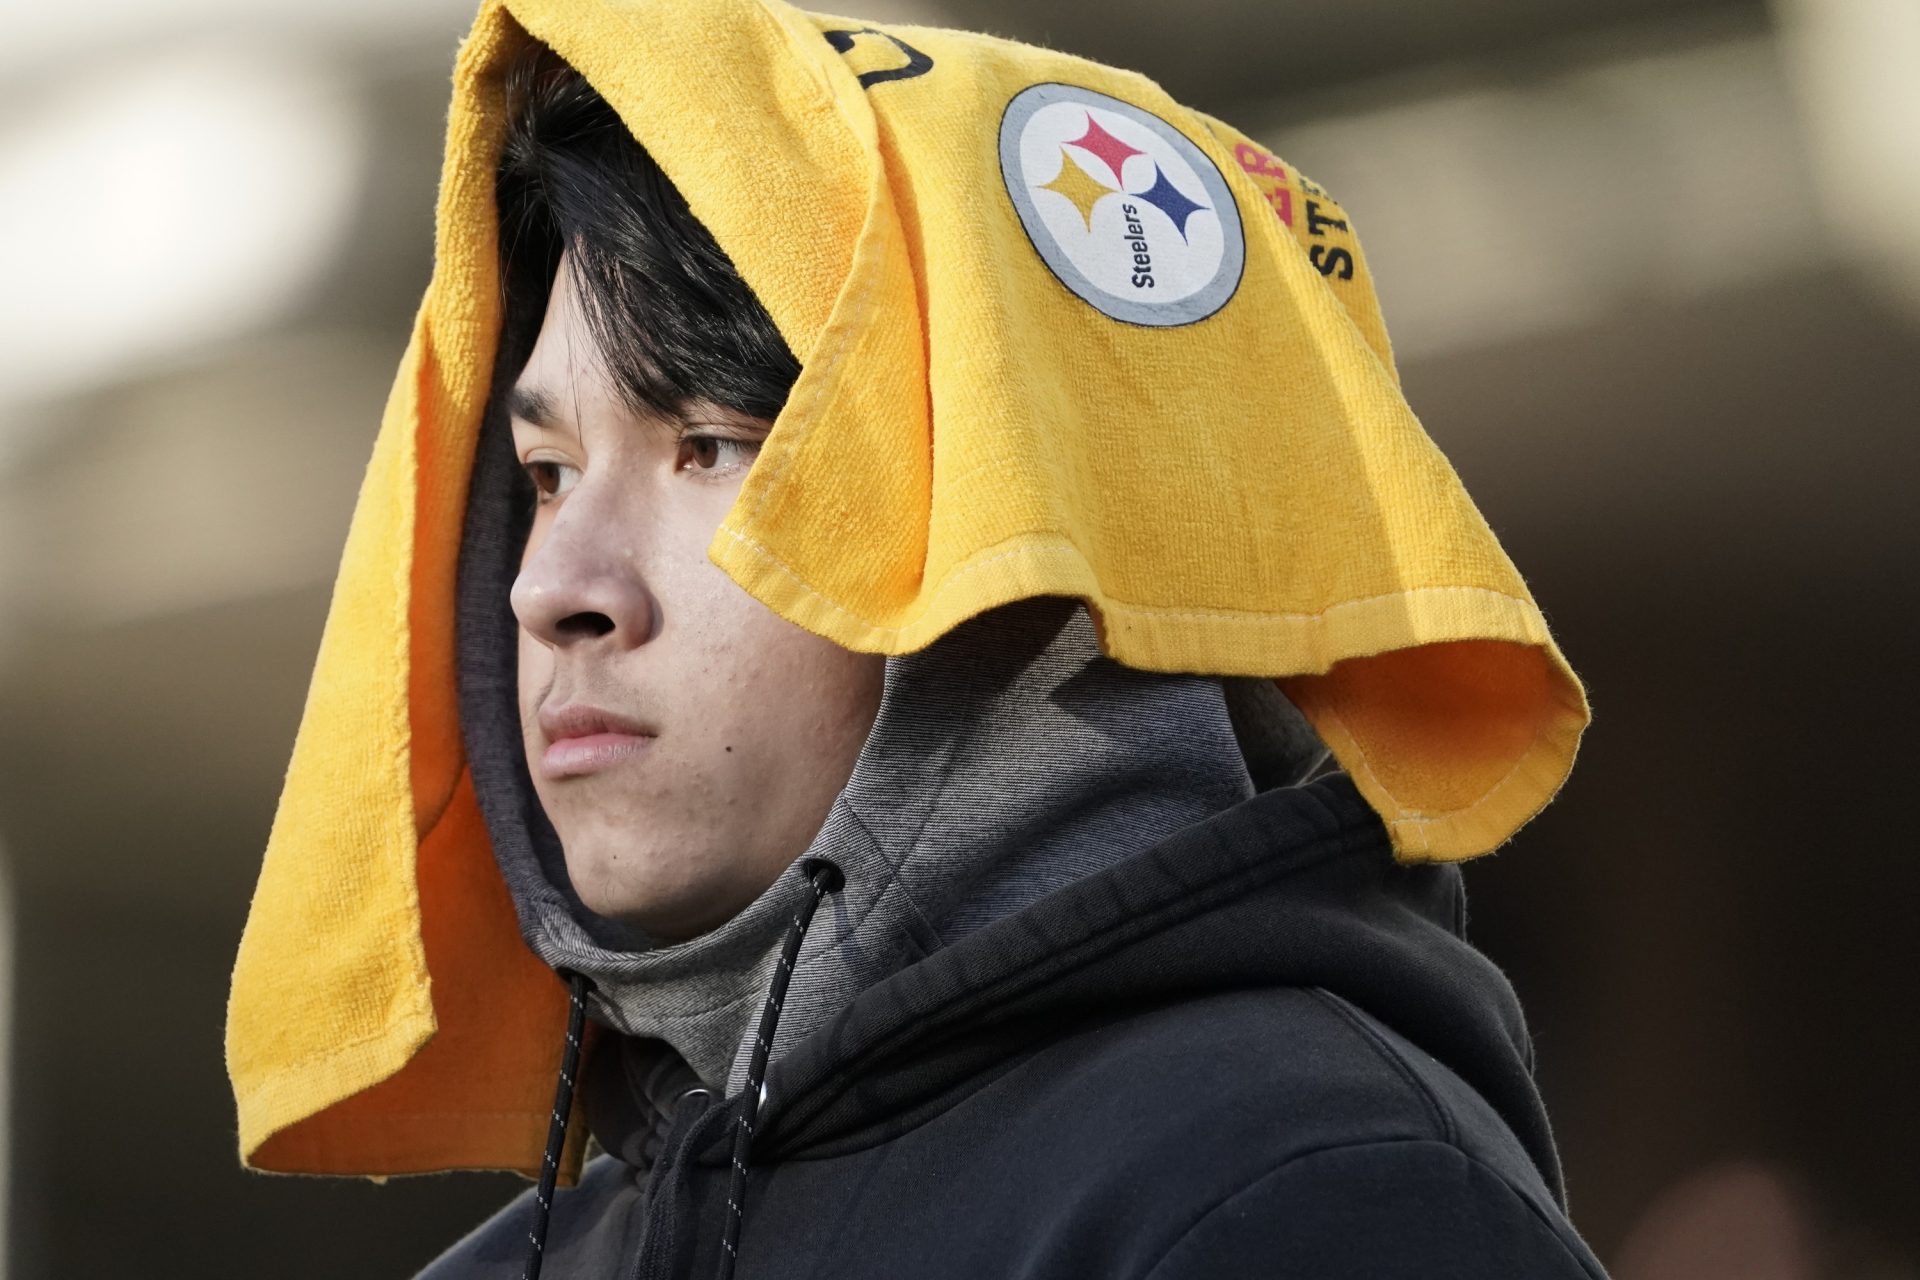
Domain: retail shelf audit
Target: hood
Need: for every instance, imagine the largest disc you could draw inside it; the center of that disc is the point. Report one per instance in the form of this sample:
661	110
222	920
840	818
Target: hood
1009	758
1293	887
1060	336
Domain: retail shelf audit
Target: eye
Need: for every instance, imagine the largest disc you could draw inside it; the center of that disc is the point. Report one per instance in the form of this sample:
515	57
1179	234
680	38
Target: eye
716	455
551	479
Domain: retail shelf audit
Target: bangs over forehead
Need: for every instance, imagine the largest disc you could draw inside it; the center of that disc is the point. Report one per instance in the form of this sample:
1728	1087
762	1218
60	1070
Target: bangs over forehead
673	320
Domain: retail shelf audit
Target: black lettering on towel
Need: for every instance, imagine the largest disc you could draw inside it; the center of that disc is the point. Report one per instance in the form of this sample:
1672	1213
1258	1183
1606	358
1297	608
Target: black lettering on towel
918	63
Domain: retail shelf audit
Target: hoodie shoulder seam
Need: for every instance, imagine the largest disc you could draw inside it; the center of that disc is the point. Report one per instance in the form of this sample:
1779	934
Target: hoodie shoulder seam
1442	1119
1384	1146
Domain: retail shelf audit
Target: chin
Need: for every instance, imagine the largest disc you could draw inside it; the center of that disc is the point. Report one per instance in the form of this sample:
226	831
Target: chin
636	890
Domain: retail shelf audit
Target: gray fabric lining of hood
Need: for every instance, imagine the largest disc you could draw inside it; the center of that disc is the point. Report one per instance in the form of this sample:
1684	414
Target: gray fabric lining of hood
1009	758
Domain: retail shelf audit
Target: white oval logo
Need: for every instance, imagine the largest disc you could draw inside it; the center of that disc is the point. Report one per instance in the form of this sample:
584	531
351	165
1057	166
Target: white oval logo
1123	208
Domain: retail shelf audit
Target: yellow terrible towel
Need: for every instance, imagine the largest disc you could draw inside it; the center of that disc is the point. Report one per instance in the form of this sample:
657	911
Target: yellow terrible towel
1060	335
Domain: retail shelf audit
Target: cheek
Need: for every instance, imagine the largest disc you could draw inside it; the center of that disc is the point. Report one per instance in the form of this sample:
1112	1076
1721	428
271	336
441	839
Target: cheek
807	698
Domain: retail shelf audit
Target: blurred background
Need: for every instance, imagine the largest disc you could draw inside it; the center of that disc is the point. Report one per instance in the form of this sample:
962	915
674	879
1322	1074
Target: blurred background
1652	268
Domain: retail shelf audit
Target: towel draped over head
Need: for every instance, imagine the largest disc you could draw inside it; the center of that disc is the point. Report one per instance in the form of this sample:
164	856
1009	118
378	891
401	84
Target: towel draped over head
1060	335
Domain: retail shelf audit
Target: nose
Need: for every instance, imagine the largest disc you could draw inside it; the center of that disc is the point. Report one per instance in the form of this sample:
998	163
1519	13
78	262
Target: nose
577	586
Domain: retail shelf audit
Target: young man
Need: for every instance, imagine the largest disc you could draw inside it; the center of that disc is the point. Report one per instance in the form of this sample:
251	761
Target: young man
828	577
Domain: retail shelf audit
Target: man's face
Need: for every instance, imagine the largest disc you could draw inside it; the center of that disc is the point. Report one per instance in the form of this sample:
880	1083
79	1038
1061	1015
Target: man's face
685	742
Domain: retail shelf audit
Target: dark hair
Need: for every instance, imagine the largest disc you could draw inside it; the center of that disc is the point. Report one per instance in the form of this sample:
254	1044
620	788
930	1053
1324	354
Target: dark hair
672	318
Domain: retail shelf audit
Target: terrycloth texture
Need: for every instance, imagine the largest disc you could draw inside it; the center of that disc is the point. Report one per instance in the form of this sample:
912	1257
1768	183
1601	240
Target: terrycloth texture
1060	336
1008	759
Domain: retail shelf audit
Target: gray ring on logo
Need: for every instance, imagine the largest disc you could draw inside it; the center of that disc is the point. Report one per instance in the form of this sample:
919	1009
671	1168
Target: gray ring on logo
1233	248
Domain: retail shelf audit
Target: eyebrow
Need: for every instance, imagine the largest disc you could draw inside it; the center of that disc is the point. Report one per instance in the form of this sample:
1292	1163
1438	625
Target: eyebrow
535	406
532	406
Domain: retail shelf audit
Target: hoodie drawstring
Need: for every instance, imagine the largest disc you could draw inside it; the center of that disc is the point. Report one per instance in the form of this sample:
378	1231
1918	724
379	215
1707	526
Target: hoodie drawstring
577	987
824	878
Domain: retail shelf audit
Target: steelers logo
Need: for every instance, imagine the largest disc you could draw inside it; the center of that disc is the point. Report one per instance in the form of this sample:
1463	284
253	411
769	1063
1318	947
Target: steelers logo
1121	206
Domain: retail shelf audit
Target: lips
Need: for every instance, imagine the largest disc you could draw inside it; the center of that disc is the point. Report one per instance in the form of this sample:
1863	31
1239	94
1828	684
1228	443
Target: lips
583	740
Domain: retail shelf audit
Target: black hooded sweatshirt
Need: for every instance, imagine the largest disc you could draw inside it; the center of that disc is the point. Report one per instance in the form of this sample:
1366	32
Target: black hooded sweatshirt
1259	1046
